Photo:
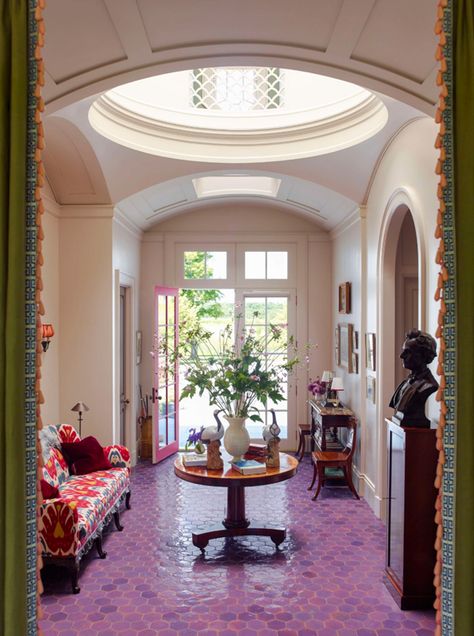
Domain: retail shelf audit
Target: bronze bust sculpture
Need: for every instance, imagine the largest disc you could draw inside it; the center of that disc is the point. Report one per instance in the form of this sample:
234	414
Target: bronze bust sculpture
419	349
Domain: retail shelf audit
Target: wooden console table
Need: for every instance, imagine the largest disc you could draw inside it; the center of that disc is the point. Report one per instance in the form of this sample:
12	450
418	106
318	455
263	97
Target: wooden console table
236	523
324	418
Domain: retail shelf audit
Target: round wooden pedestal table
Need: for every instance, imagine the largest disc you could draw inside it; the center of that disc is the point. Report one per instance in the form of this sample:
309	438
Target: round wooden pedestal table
236	523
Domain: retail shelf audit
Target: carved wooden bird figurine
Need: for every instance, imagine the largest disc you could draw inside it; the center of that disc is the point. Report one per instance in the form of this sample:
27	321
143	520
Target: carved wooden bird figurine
213	432
271	430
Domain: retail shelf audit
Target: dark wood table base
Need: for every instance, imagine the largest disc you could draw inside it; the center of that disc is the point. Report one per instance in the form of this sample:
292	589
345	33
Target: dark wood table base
201	539
236	523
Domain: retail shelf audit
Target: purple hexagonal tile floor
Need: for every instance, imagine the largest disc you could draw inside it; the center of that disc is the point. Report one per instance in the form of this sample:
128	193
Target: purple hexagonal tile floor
326	580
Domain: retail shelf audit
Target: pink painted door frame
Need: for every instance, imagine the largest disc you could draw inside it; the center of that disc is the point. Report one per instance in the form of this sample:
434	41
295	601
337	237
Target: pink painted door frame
165	397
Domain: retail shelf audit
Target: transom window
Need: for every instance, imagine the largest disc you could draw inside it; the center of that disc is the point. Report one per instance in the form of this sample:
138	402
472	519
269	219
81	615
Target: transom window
264	265
237	89
201	265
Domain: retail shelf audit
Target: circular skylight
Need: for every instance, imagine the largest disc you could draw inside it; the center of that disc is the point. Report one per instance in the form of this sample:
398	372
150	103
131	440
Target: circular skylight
238	115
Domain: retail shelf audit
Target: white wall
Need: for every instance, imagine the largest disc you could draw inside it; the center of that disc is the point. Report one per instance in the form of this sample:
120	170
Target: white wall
126	254
86	317
404	177
50	380
247	223
347	267
87	255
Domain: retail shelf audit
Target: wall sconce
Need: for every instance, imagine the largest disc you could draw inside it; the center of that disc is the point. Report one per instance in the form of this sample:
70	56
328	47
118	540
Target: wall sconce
80	408
48	332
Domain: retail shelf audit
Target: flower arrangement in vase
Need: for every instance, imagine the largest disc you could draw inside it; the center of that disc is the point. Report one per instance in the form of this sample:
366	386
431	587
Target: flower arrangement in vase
318	388
236	373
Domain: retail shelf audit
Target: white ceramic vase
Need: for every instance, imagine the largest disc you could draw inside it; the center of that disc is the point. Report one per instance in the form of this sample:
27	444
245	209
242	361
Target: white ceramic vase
236	437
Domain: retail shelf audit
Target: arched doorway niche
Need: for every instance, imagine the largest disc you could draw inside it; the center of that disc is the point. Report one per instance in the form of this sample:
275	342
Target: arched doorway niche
401	271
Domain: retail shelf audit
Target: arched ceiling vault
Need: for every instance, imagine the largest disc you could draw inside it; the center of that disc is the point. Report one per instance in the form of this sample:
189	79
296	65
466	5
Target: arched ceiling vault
382	45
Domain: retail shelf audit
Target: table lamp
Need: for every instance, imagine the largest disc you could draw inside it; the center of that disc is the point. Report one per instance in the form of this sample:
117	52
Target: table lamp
337	386
80	408
326	378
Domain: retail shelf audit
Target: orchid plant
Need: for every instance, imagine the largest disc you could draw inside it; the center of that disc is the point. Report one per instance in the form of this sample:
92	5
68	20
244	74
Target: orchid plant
194	441
236	374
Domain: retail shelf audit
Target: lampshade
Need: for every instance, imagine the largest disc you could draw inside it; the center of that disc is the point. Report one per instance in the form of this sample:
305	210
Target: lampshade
80	407
48	331
337	384
327	376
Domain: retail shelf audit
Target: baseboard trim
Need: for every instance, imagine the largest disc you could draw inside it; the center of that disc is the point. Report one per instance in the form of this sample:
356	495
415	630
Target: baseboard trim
367	490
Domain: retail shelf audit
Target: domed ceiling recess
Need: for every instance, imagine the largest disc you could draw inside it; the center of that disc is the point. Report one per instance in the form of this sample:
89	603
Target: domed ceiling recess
238	115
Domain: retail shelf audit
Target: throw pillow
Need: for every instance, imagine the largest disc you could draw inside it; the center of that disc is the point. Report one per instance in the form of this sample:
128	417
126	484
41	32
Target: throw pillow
48	491
85	456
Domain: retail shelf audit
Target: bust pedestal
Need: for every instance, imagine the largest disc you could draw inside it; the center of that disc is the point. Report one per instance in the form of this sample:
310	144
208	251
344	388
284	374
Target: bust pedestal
411	529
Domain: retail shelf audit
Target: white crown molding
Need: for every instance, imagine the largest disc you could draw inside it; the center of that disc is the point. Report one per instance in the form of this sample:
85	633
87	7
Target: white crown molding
122	219
51	206
350	220
174	209
87	211
205	141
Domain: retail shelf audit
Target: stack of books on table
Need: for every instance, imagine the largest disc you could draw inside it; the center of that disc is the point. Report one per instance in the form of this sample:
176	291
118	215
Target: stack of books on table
249	467
256	451
194	459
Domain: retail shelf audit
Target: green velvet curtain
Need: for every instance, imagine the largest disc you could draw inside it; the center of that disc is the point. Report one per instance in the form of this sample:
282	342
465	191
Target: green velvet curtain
463	104
13	130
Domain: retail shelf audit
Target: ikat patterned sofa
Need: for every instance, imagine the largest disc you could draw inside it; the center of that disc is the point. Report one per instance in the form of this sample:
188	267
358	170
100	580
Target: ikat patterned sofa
71	524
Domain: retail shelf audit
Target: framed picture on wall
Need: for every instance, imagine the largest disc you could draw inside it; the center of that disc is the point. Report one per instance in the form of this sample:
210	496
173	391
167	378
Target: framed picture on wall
355	362
370	351
345	298
345	345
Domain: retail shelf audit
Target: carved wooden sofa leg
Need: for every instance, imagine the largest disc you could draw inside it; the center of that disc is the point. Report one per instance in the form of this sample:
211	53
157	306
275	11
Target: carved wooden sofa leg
118	525
98	544
127	500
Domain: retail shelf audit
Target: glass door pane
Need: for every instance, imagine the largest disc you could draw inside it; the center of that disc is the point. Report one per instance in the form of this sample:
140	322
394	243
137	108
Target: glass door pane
262	313
165	383
216	309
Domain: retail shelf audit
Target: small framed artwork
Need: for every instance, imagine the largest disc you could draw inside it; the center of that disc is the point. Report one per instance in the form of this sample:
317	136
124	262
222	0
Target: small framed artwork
370	351
345	345
337	358
345	298
370	393
355	362
138	347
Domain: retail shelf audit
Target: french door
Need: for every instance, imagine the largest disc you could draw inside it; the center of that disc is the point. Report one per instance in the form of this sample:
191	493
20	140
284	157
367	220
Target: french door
259	310
165	392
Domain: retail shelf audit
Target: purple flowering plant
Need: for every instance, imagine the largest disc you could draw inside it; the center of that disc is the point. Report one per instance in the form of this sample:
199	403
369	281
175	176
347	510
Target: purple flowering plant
194	440
317	386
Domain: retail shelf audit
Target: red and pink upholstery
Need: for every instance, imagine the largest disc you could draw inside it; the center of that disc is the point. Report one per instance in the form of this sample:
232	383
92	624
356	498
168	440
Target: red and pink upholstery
71	524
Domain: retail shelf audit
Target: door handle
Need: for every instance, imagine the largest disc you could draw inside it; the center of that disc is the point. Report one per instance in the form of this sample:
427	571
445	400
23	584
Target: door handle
154	395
